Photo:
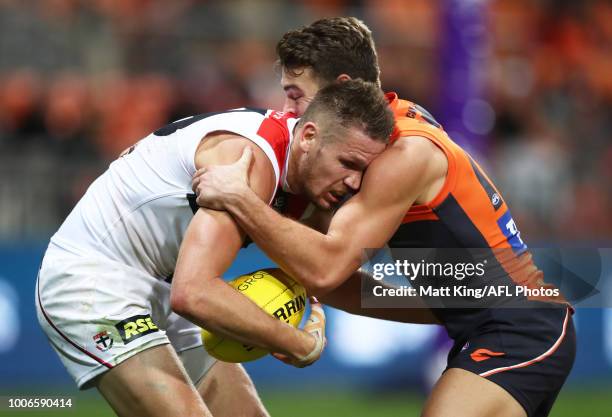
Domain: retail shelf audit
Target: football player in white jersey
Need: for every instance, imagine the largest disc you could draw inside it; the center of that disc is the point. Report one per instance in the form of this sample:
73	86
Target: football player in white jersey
136	267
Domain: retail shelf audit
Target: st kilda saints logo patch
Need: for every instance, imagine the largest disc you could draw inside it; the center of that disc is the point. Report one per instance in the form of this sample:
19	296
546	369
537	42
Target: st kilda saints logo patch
104	341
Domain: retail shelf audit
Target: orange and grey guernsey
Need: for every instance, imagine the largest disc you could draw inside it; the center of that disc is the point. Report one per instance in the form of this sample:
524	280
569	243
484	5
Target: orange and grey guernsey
469	212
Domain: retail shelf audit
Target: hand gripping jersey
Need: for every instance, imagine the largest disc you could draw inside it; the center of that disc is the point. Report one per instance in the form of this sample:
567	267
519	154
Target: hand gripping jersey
469	212
137	212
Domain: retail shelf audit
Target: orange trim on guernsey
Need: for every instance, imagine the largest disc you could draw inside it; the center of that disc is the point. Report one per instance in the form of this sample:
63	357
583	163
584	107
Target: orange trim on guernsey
482	354
417	217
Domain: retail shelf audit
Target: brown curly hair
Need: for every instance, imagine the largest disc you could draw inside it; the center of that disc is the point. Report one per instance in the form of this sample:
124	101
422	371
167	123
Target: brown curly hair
331	47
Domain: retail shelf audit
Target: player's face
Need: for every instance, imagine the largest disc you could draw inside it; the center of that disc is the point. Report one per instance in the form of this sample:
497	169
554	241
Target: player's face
300	87
333	170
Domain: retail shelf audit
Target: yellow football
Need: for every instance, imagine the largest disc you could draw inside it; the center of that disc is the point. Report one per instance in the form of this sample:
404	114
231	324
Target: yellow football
276	294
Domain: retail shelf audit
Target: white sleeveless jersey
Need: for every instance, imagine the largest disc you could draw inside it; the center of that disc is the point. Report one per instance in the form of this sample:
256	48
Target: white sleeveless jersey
137	212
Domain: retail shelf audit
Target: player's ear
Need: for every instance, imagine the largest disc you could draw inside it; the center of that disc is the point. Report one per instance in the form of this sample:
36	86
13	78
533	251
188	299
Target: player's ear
309	135
343	77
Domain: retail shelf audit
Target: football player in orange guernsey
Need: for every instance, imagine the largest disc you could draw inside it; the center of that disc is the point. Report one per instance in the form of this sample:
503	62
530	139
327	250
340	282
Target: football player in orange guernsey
423	191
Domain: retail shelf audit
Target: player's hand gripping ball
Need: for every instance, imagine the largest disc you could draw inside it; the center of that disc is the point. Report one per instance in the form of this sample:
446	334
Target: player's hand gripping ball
275	293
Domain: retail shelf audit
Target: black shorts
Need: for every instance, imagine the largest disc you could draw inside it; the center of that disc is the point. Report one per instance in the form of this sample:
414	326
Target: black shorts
528	352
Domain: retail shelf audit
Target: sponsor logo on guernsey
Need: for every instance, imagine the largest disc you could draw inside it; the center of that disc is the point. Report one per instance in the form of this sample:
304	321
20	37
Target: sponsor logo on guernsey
510	230
496	200
104	341
134	327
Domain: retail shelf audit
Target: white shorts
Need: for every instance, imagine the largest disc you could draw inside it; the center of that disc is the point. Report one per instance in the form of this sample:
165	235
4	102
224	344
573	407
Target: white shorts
98	313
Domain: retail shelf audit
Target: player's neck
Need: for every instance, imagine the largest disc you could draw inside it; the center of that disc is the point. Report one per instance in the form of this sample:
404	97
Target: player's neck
291	183
290	179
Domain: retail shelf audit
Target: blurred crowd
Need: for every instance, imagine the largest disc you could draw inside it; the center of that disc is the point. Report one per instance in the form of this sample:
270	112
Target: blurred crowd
80	80
551	87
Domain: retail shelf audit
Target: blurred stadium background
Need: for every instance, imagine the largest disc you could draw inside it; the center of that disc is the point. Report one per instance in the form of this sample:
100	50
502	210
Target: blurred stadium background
526	85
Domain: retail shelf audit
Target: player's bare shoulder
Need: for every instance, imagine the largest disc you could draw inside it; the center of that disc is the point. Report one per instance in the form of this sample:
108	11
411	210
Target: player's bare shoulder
421	152
424	159
224	148
411	164
409	157
266	132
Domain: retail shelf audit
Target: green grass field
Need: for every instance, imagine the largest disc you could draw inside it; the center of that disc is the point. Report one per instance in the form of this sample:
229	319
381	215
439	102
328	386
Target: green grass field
571	403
